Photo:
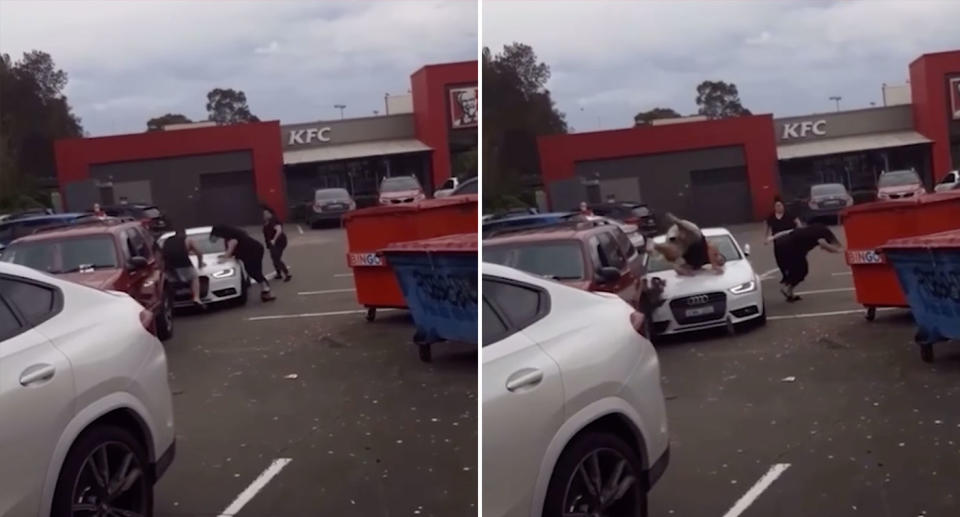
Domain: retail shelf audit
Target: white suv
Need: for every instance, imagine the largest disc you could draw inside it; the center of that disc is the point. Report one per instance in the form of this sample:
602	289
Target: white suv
574	421
87	416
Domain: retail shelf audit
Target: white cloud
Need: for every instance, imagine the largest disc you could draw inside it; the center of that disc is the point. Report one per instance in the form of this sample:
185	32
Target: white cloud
617	58
293	59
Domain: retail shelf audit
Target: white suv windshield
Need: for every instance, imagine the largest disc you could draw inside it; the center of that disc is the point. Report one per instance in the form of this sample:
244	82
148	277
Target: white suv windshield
399	183
65	256
556	260
898	179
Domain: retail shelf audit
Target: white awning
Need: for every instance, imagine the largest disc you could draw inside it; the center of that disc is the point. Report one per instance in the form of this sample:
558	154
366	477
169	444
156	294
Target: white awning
357	150
846	144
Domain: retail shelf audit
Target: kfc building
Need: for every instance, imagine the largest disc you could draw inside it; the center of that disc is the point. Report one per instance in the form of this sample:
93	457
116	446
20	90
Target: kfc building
201	174
729	171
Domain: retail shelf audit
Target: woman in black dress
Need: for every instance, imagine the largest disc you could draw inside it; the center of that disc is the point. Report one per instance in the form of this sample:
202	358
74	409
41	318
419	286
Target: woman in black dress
247	250
276	241
779	224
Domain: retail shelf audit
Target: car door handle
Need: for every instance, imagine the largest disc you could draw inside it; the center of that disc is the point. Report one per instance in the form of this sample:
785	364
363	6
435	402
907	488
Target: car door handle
37	373
524	378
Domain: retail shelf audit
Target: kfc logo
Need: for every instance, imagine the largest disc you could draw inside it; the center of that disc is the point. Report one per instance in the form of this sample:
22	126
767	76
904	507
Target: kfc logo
804	129
955	97
305	136
463	107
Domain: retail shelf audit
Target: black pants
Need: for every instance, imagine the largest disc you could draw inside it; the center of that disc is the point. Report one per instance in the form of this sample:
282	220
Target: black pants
779	256
794	267
253	263
276	255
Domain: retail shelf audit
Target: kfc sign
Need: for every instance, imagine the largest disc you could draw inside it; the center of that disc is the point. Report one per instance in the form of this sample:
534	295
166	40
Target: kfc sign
955	97
463	107
804	129
305	136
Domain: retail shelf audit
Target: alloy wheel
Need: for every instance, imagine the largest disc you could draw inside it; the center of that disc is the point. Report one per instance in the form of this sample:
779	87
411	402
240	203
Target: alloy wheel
111	483
603	485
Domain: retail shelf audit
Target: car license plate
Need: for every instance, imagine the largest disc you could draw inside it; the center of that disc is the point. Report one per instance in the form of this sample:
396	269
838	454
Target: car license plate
336	206
185	291
365	259
699	311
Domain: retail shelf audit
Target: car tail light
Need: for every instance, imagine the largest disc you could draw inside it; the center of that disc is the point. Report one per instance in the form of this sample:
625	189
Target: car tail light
148	322
353	205
849	201
638	321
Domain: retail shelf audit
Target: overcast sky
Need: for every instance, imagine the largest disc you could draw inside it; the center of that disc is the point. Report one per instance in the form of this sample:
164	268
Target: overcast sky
130	61
611	60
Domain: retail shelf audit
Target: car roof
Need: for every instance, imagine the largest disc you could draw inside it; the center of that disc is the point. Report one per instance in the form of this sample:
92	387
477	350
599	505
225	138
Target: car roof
707	232
80	230
39	217
549	233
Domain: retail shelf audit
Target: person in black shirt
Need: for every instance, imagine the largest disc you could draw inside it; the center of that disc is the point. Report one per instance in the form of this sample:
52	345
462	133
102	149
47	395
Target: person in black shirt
247	250
276	241
796	245
780	223
687	248
176	259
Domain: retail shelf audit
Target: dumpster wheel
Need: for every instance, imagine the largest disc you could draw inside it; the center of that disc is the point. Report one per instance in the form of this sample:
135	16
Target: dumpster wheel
371	313
871	313
926	345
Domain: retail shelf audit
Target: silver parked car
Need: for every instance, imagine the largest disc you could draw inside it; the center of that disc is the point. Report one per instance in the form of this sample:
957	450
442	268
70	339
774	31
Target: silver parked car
574	421
87	416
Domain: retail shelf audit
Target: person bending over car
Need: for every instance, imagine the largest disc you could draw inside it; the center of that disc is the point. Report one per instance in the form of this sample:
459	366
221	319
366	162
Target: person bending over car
176	259
247	250
795	247
687	248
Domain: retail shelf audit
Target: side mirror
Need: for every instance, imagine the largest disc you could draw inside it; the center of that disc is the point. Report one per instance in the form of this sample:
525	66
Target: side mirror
746	249
137	263
608	274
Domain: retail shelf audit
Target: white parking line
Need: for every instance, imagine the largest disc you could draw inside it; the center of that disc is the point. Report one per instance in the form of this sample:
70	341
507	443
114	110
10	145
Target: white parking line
842	273
300	229
768	274
762	484
821	291
342	275
251	491
822	314
328	291
313	315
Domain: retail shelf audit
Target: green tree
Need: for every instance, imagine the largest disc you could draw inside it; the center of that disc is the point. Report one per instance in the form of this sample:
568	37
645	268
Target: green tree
229	106
646	117
718	99
517	108
33	114
157	123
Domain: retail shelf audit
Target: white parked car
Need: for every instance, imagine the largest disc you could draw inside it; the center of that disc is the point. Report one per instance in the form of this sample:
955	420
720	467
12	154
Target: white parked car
705	299
447	187
221	279
632	231
87	416
949	182
574	421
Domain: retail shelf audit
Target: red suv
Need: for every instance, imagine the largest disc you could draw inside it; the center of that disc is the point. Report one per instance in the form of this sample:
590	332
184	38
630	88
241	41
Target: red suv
109	254
580	254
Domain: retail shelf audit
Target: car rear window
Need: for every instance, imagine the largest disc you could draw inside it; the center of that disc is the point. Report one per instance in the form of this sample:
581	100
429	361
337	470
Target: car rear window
828	189
399	183
898	179
151	212
556	260
64	256
640	211
331	193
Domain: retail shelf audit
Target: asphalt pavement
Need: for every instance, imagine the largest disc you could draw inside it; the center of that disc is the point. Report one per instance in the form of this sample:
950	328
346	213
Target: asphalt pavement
284	409
818	413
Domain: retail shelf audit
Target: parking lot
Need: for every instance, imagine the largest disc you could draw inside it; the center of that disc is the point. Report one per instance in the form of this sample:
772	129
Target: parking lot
301	406
826	413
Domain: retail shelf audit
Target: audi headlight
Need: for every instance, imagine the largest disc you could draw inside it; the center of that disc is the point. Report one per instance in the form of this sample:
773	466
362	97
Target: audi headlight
745	287
225	273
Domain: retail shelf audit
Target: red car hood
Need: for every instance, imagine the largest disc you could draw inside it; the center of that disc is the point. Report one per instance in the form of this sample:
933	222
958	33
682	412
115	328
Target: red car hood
400	194
101	279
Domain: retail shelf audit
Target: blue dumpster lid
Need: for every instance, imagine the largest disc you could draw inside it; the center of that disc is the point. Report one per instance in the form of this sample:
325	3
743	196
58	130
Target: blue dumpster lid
426	204
458	242
945	240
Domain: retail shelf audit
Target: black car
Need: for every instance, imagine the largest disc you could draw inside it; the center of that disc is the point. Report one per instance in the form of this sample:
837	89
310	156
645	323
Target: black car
149	215
637	214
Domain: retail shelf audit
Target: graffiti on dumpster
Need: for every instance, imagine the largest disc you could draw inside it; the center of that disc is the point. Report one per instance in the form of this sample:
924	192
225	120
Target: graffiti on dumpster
456	291
940	285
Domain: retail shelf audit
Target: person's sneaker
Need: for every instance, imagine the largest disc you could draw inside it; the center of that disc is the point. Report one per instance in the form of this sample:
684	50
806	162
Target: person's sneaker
267	297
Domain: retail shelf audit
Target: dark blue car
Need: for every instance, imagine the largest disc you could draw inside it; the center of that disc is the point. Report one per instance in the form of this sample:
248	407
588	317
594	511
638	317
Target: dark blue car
11	230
